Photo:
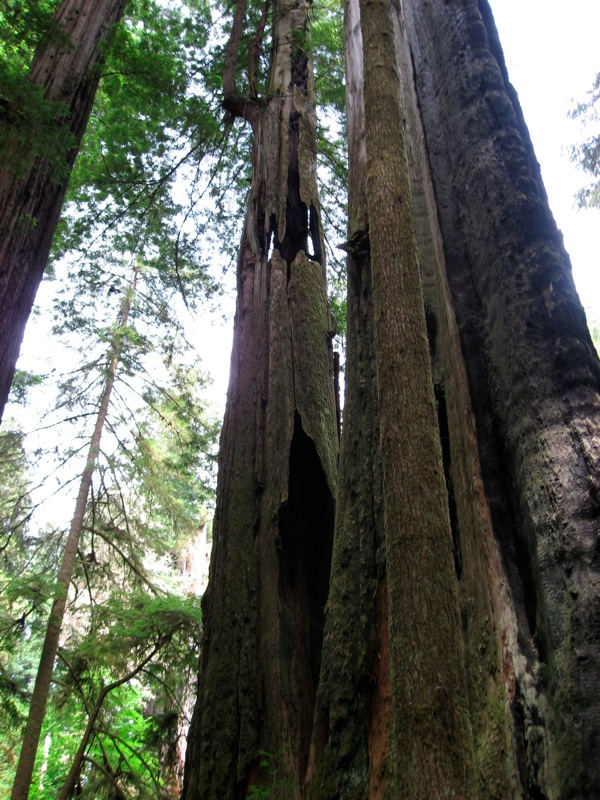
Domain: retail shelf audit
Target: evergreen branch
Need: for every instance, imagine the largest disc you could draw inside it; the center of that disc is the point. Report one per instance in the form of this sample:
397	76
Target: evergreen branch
118	740
169	691
93	716
154	589
105	772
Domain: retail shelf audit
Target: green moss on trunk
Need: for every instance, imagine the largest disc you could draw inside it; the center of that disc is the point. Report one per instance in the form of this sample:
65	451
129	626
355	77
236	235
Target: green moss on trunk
269	574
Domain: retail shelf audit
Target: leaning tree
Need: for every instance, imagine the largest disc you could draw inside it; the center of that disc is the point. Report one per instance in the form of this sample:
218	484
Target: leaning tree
58	90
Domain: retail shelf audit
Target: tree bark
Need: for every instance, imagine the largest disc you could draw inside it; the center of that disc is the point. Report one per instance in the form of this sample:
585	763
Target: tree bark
351	735
41	690
30	204
516	382
461	649
416	738
263	610
533	380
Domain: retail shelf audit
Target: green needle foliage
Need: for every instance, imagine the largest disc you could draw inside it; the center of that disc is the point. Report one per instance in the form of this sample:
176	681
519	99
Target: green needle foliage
28	122
587	153
148	499
135	656
587	156
154	146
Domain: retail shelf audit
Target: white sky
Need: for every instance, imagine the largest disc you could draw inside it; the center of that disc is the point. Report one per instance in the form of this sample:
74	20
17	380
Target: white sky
552	54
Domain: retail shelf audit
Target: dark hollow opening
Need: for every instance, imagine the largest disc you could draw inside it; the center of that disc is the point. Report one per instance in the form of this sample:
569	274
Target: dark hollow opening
306	529
296	212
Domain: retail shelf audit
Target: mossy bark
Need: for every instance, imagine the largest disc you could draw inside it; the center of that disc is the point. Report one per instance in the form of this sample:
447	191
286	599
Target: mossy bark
399	675
432	746
30	203
269	573
490	628
516	384
350	743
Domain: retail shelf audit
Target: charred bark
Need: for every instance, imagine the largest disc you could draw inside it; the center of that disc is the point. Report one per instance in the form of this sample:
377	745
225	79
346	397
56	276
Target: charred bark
521	386
269	574
30	203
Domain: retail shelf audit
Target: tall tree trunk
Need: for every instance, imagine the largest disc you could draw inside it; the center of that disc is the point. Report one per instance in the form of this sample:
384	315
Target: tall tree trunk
517	384
30	204
269	573
415	739
351	736
534	381
41	690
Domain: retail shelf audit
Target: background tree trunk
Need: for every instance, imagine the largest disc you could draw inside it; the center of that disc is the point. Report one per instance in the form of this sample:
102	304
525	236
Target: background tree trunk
30	204
41	690
269	574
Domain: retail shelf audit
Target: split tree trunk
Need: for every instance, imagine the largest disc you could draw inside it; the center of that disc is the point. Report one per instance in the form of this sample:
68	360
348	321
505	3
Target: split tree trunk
269	575
41	690
30	204
517	384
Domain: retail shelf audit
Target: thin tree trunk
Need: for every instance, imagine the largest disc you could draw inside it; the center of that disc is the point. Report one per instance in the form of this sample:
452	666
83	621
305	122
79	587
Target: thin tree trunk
264	607
30	204
39	699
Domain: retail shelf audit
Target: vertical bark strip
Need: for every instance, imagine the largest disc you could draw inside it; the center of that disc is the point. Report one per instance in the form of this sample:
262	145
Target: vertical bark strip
492	652
393	718
30	204
433	750
41	690
264	607
350	741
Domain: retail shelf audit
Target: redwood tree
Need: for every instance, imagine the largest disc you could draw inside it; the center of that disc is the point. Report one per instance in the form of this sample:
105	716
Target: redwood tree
65	66
265	606
534	382
517	383
460	656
